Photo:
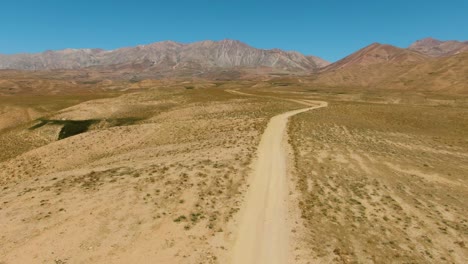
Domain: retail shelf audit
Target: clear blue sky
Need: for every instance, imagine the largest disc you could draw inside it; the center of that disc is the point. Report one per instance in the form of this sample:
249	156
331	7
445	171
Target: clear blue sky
328	28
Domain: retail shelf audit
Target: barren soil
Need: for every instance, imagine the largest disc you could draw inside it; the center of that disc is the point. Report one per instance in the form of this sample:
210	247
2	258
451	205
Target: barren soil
175	173
383	183
163	187
263	233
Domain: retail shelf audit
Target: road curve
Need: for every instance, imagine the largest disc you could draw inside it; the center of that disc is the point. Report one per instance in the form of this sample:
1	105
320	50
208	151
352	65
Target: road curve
263	233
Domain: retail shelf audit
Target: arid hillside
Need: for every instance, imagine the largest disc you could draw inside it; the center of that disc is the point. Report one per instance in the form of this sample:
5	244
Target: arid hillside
417	73
376	53
158	174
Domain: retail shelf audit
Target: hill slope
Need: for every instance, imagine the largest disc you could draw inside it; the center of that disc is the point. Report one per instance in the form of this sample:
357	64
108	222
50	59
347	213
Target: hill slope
403	69
377	53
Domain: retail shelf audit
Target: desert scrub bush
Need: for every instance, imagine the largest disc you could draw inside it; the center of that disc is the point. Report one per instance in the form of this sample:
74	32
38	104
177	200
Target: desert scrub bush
180	219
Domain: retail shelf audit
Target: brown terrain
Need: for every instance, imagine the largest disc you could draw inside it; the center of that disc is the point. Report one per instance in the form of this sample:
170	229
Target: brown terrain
363	161
437	48
390	68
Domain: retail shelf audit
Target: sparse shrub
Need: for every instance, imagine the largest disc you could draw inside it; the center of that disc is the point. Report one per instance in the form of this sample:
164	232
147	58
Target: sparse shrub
180	218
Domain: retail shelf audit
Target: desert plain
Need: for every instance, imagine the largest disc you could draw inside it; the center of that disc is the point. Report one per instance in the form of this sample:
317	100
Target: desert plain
162	172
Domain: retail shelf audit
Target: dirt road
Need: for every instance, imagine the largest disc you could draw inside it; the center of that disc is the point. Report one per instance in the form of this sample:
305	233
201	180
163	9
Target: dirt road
263	232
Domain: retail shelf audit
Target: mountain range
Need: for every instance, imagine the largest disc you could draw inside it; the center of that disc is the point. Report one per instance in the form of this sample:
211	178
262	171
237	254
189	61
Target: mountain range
426	64
206	55
198	56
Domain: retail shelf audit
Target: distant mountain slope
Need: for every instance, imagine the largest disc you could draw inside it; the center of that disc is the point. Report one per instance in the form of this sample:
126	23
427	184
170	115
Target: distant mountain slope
377	53
445	74
436	48
167	55
319	61
385	66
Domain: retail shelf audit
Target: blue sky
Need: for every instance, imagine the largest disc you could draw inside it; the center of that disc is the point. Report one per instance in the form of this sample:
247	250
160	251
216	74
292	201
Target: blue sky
330	29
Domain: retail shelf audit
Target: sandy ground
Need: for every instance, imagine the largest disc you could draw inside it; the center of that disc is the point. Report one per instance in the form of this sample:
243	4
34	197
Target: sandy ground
11	116
382	183
263	234
163	177
164	189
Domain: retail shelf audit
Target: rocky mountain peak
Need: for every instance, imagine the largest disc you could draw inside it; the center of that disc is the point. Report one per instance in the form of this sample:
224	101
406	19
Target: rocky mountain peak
438	48
425	42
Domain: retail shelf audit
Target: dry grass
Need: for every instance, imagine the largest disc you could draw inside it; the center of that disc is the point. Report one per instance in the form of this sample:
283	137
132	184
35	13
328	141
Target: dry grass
165	187
383	182
161	172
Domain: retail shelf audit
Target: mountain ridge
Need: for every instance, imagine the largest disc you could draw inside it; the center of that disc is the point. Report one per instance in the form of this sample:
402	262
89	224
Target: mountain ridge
167	54
389	67
438	48
376	53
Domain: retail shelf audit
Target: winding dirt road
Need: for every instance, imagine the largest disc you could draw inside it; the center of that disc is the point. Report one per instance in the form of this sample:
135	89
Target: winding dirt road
263	233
